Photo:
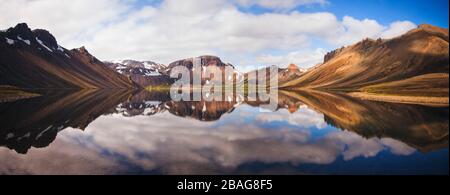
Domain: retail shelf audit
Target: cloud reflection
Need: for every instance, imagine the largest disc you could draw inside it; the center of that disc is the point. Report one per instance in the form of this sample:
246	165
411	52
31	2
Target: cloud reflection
112	144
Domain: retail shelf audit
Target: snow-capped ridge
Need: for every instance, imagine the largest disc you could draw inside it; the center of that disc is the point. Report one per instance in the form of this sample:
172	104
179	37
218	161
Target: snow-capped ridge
144	68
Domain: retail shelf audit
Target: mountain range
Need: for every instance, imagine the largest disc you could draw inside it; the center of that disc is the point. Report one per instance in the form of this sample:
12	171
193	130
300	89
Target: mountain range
144	73
413	64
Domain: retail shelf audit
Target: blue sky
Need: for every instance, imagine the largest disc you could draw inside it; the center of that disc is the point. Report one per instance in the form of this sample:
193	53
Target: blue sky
246	33
433	12
384	11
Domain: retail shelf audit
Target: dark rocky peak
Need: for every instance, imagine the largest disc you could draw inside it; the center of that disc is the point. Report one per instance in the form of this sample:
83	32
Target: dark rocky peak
47	38
22	30
23	35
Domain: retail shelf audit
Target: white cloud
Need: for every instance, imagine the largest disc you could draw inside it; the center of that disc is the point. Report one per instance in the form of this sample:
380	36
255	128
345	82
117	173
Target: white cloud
303	58
353	30
397	147
174	30
397	28
303	117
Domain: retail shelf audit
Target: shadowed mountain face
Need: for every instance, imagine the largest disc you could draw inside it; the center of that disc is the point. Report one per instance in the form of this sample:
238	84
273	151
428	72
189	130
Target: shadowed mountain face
33	59
420	52
36	121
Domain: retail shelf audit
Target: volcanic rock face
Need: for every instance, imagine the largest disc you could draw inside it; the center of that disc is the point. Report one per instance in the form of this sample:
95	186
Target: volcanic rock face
33	59
420	52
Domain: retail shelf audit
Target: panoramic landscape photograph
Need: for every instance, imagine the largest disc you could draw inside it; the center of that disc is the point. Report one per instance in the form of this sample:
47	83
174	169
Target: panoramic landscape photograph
224	87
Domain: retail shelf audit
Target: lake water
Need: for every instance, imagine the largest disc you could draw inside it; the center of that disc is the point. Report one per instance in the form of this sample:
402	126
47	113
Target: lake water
117	132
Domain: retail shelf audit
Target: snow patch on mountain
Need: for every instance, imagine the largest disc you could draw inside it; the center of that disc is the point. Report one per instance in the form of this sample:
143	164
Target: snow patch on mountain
120	67
60	48
9	41
153	73
43	45
24	40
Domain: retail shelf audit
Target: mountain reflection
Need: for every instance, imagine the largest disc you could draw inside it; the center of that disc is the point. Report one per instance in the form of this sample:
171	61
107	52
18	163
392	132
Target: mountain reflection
36	121
422	127
154	133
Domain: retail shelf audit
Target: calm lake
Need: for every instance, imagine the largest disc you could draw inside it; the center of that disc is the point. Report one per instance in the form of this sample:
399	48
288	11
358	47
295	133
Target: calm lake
117	132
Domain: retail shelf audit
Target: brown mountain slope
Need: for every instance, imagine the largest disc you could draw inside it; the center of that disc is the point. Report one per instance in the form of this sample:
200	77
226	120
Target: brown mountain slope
422	85
33	59
421	51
